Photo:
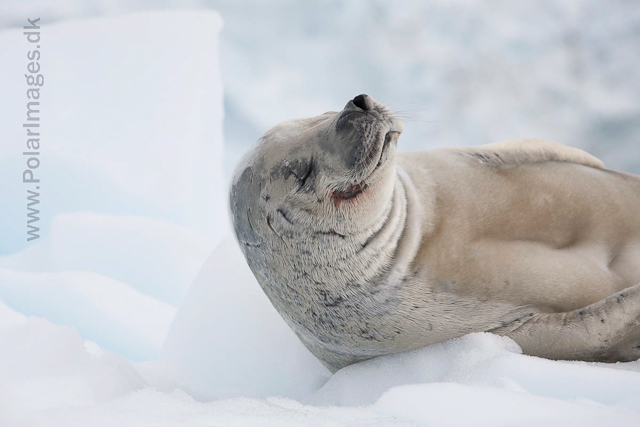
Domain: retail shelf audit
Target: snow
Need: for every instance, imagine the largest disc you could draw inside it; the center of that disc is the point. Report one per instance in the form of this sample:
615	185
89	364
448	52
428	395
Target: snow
51	378
230	360
227	340
132	193
145	90
9	317
128	245
101	309
133	309
44	367
480	360
483	403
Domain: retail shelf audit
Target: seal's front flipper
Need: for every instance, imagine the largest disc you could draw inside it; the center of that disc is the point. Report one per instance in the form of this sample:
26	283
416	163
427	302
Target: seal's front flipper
528	151
607	331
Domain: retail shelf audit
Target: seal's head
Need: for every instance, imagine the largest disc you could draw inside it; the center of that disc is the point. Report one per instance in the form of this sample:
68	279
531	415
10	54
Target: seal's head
305	201
332	173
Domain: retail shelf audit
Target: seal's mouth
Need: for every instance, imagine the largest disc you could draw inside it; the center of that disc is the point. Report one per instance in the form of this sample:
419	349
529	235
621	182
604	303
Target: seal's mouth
354	190
389	138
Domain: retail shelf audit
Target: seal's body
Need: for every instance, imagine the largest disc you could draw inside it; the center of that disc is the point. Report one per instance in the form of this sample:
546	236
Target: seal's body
365	252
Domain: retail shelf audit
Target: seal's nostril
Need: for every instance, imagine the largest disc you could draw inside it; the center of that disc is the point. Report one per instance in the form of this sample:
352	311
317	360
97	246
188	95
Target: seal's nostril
363	101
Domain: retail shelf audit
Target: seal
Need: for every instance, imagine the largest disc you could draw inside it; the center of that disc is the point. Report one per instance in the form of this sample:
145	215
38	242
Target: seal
366	252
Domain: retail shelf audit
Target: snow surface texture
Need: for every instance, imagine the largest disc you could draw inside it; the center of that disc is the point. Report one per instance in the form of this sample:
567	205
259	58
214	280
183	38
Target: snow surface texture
51	378
99	325
475	71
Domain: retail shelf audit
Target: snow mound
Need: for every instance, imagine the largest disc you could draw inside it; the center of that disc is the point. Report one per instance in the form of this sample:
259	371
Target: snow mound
55	380
227	340
131	121
101	309
485	360
154	257
45	367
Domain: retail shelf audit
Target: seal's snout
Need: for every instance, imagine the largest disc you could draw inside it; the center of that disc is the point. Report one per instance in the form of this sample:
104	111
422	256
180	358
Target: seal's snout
364	102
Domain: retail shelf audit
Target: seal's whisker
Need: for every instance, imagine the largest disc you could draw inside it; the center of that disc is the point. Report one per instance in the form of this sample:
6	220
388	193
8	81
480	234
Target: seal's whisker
411	117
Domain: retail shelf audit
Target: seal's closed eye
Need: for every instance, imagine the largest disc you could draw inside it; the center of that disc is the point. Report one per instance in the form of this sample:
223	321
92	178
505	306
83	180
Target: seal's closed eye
302	170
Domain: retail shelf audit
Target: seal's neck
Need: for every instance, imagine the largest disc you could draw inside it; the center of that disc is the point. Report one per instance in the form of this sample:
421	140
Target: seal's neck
409	242
395	242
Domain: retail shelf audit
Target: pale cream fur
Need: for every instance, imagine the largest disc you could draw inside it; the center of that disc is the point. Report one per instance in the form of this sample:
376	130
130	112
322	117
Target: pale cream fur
526	238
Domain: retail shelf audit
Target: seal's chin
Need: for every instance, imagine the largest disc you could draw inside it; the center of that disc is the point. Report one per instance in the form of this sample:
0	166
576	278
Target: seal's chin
391	137
354	190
